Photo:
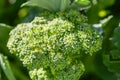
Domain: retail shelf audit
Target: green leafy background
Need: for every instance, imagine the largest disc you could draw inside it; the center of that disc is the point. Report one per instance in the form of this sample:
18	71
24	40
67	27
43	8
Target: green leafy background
105	65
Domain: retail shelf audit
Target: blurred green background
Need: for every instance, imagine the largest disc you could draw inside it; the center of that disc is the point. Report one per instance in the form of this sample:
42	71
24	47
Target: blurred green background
104	15
10	11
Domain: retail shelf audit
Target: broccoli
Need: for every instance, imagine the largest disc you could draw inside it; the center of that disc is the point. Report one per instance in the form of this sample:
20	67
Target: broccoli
52	47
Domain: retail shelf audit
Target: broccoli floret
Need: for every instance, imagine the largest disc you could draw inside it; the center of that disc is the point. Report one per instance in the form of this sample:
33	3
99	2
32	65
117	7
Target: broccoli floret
52	48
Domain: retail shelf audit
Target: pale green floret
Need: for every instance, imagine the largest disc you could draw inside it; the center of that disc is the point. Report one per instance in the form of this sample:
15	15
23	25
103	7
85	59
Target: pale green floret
52	49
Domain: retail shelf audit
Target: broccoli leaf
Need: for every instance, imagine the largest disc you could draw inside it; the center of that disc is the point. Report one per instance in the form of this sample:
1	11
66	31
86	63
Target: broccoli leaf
83	2
4	35
51	5
6	67
112	61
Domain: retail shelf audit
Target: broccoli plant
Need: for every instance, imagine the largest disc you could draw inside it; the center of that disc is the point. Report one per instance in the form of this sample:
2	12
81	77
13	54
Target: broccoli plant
53	45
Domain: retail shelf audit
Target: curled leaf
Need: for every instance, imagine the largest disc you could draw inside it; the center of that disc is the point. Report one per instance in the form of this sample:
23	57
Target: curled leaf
6	67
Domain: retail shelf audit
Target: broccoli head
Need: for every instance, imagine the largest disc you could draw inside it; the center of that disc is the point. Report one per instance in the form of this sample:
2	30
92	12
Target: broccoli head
53	49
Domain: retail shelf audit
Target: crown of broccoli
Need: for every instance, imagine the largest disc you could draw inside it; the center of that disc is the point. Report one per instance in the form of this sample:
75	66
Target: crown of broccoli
52	48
